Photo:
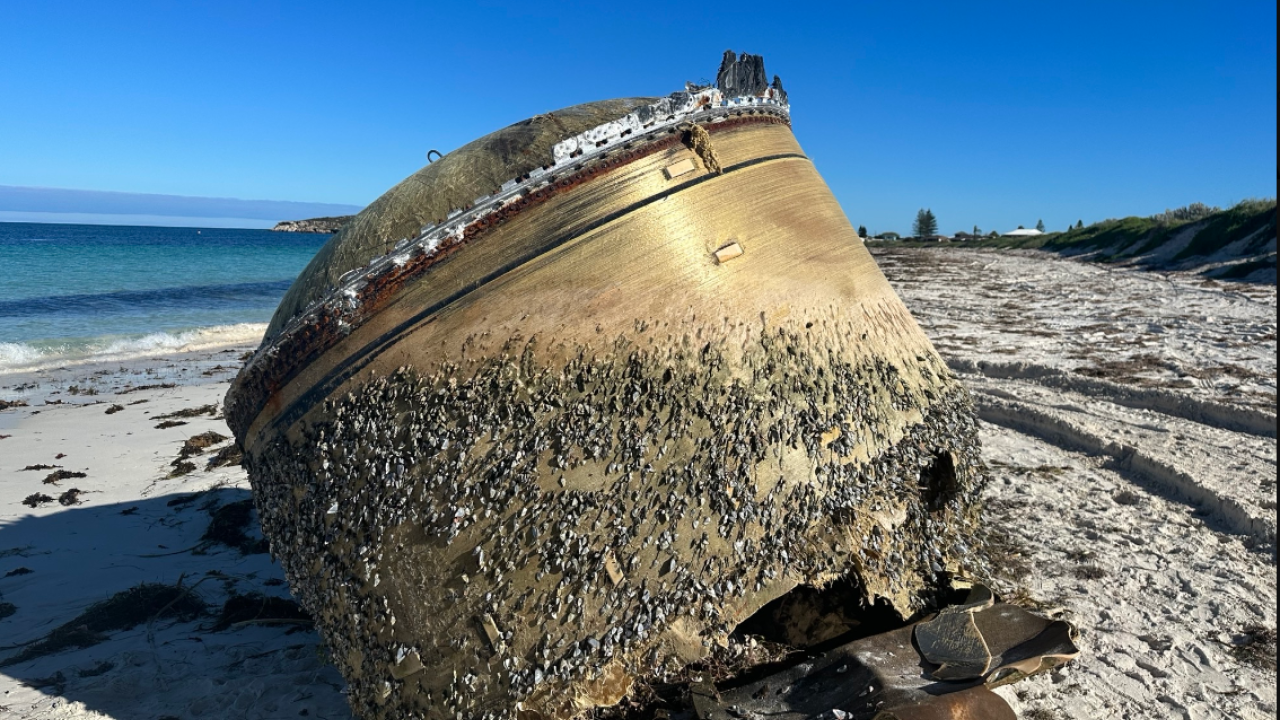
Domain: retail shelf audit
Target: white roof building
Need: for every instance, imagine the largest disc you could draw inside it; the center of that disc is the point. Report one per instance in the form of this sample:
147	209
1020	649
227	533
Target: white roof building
1023	232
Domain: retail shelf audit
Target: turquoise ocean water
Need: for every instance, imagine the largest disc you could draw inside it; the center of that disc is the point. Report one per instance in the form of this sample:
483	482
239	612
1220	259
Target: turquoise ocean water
80	292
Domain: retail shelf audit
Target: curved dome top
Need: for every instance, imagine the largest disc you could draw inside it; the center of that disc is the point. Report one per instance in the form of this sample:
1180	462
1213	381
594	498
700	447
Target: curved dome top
427	196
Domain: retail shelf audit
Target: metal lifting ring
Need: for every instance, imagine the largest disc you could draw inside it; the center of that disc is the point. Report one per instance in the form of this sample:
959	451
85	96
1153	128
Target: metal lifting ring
437	152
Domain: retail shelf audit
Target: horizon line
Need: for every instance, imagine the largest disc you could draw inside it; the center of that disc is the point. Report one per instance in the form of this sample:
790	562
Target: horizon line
62	201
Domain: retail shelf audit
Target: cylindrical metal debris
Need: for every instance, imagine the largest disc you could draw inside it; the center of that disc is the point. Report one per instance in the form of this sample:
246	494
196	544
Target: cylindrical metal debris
559	411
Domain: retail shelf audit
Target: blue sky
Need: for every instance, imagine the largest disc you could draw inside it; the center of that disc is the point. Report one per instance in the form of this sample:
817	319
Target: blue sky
995	114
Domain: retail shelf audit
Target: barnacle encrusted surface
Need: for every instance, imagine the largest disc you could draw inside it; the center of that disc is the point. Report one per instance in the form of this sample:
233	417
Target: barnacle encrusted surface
514	529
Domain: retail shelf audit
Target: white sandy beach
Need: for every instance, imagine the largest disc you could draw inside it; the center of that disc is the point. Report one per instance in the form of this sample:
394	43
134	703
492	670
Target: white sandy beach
1129	422
132	524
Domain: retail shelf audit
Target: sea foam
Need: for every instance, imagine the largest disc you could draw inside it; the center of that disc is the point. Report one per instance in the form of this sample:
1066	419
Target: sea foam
36	355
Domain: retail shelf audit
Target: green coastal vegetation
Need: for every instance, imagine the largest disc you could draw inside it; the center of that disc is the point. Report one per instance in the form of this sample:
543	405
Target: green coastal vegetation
1238	243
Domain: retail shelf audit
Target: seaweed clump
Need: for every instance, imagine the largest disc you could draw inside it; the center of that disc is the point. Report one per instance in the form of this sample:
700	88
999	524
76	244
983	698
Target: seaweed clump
36	500
227	525
1256	646
189	412
70	497
122	611
58	475
228	456
256	607
194	445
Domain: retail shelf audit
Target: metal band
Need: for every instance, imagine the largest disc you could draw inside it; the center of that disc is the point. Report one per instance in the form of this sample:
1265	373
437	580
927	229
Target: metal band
357	361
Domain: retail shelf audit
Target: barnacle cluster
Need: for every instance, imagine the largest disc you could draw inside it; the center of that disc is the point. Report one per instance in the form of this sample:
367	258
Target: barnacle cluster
525	532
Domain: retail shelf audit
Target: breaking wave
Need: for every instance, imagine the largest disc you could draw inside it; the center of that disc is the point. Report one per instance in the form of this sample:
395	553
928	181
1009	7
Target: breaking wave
37	354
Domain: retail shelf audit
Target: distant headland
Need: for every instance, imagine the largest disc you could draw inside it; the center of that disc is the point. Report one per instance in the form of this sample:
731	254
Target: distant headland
314	225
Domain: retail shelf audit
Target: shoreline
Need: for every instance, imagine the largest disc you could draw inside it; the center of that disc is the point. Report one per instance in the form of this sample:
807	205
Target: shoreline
192	357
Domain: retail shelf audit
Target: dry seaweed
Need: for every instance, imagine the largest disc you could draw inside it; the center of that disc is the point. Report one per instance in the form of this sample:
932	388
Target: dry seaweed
70	497
36	500
196	444
189	412
6	404
114	409
1256	646
157	386
182	467
54	477
227	456
227	525
1008	556
122	611
41	467
182	501
259	608
170	423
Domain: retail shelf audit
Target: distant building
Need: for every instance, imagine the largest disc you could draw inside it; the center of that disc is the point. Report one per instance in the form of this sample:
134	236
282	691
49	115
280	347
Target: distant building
1023	232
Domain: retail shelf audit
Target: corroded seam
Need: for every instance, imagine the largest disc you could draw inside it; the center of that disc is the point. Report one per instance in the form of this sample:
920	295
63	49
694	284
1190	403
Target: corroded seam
358	360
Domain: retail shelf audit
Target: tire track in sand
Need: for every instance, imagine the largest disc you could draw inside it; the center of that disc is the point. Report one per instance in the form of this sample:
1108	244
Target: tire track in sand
1219	415
1056	426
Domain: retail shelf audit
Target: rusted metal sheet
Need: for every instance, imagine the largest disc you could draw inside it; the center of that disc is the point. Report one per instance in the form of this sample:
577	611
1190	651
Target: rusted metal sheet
893	676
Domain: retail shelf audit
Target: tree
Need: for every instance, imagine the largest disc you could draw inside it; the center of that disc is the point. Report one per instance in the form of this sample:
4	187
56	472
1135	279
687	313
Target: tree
926	224
1040	225
889	235
862	231
1079	224
993	233
976	231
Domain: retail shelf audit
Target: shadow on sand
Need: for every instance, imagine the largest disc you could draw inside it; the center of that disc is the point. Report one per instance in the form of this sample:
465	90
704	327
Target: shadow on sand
167	607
